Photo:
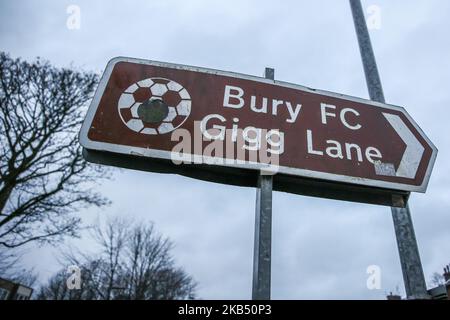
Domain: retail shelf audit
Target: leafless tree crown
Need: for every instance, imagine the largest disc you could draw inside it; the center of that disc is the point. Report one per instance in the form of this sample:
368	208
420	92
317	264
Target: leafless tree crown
133	263
43	176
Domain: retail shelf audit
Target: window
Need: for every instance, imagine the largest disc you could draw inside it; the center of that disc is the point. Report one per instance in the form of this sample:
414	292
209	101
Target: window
3	294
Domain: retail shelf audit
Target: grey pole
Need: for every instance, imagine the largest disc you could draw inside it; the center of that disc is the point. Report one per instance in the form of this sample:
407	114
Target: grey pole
263	231
413	277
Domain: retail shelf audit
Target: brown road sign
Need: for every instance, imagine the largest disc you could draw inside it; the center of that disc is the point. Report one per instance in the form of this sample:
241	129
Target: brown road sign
315	134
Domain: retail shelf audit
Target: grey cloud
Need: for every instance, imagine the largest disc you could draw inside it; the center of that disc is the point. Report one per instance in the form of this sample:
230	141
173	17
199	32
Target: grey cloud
321	248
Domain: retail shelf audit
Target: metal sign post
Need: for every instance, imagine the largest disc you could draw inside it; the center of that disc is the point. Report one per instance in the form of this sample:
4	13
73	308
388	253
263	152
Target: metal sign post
263	230
413	276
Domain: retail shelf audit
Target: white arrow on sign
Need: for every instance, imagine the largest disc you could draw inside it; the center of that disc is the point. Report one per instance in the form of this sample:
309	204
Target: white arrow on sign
414	149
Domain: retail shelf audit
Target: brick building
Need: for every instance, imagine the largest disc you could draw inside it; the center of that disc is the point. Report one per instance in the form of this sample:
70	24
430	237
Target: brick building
441	292
10	290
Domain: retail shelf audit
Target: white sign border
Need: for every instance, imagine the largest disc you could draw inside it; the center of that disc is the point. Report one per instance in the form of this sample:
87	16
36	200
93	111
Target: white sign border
154	153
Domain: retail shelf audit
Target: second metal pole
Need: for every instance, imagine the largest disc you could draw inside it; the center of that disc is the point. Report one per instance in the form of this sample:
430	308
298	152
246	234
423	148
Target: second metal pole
263	231
413	277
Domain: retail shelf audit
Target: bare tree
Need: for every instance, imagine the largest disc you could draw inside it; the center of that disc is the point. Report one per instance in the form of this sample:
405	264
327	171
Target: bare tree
44	179
437	279
7	262
134	263
10	268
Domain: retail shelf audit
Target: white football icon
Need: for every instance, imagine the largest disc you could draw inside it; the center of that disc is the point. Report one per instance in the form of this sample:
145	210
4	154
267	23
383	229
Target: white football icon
154	106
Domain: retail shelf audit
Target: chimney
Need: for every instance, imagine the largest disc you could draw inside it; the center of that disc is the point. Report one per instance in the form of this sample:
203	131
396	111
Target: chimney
447	273
392	296
447	279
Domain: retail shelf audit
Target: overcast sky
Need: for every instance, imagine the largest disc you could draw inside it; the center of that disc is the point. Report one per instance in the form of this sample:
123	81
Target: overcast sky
321	248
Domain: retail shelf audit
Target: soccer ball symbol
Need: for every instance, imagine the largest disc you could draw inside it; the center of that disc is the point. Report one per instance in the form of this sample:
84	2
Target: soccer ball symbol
154	106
